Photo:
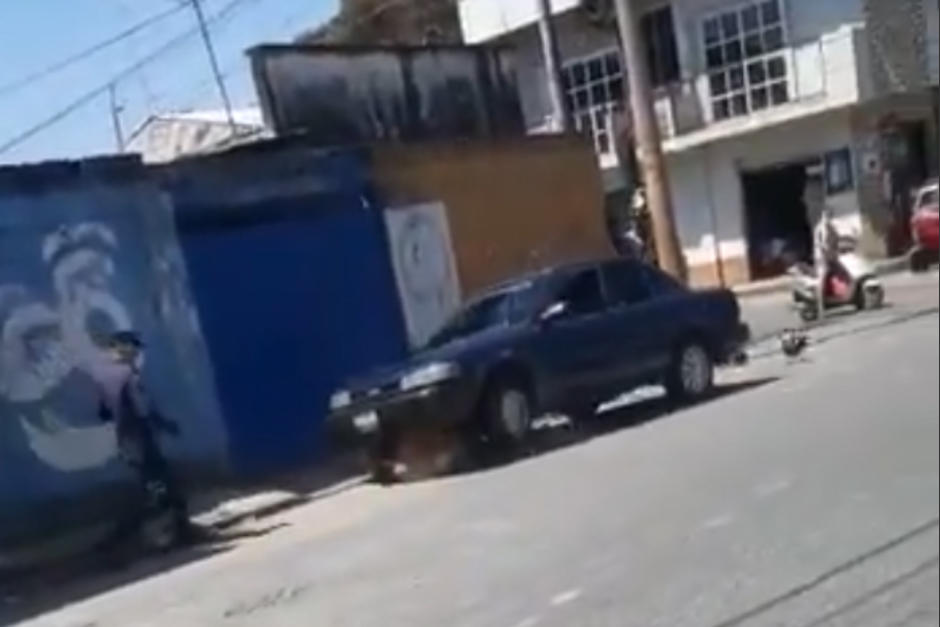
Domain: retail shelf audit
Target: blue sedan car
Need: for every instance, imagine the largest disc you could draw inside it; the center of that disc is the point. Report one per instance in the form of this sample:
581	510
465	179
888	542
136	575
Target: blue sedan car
562	340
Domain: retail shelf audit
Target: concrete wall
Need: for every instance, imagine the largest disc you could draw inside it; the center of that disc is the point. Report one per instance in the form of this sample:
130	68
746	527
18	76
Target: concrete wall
86	249
513	205
868	125
349	95
897	35
708	196
932	40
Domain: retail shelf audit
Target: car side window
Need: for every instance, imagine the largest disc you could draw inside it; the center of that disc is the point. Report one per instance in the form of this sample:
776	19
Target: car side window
625	284
583	294
659	283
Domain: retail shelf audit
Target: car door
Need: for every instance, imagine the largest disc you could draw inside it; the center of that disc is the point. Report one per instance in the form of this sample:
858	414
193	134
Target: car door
642	320
570	348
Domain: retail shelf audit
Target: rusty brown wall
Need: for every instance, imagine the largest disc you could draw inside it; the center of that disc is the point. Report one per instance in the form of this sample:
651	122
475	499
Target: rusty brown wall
513	205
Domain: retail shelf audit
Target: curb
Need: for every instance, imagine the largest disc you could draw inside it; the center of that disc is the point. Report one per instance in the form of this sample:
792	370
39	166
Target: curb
883	267
287	502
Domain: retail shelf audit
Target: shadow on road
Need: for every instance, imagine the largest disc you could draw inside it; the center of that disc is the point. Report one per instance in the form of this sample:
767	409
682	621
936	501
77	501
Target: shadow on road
624	417
35	593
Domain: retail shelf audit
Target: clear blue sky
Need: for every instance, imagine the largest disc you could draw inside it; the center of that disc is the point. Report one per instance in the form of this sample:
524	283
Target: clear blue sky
37	33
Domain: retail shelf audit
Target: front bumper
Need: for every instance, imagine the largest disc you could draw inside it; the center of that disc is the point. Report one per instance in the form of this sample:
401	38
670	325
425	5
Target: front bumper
444	404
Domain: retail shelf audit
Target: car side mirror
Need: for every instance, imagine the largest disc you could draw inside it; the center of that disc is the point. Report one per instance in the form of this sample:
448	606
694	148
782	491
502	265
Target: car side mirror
553	312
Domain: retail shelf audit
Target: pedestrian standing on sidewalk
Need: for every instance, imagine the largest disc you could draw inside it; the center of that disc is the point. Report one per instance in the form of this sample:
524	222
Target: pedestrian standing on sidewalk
138	424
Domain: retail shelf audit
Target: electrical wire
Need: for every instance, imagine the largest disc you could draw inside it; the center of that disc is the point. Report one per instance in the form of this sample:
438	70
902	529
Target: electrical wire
58	66
90	95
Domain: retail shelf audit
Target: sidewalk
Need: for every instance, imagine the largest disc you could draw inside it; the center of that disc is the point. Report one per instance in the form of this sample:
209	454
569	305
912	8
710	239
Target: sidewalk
784	283
218	508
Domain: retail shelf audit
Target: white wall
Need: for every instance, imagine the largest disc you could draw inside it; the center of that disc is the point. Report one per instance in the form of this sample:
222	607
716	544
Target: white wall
483	20
706	181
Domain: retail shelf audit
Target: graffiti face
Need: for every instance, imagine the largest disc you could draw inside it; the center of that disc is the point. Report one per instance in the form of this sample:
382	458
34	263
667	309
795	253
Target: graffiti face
49	348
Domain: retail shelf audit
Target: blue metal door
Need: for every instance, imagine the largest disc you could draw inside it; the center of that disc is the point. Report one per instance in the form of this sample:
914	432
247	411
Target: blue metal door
293	296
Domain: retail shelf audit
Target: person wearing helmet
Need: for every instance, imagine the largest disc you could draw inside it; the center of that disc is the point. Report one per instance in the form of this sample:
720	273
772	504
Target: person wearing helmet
825	251
138	424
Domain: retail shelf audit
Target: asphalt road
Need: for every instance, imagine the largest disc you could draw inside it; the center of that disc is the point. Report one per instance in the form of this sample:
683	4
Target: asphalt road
806	494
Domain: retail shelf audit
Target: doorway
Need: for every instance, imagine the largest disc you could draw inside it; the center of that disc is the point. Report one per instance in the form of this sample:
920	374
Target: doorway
779	233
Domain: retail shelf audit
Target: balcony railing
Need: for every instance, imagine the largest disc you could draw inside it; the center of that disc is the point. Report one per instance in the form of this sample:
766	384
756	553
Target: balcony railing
823	71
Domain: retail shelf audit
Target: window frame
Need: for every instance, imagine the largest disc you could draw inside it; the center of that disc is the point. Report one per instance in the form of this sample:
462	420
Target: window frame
654	8
596	117
829	157
746	88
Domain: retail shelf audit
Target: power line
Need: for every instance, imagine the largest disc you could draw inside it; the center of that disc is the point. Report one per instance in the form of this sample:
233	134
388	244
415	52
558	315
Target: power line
101	89
214	63
58	66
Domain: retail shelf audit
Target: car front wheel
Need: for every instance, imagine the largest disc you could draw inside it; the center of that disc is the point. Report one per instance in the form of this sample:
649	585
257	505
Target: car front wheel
691	374
508	413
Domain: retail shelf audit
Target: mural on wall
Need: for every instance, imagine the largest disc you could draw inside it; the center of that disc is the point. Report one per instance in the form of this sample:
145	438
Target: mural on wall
51	354
425	271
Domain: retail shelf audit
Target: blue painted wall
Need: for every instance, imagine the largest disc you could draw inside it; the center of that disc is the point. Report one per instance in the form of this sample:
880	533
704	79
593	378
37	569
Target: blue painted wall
295	292
86	249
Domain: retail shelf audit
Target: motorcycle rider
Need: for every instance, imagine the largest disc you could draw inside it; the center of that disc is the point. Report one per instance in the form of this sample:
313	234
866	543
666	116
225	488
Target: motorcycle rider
825	252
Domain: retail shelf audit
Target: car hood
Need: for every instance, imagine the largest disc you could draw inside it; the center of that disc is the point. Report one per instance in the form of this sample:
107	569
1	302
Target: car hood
466	352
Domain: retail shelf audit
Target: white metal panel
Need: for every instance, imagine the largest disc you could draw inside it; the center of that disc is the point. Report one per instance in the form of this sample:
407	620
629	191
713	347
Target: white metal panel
425	270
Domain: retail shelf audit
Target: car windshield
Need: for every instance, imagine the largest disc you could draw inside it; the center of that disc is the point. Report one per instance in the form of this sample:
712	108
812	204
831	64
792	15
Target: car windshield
506	306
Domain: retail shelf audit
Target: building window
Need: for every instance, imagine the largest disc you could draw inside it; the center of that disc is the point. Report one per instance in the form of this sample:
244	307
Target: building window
594	88
838	164
744	56
659	38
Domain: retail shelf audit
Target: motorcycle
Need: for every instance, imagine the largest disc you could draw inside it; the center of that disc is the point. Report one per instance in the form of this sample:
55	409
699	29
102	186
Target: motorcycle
856	285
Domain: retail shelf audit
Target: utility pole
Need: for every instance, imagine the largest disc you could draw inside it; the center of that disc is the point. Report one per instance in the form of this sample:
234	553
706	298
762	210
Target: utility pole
214	64
560	111
116	117
650	152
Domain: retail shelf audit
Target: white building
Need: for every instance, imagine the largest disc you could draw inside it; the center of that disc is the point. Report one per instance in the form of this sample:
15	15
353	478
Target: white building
168	136
766	106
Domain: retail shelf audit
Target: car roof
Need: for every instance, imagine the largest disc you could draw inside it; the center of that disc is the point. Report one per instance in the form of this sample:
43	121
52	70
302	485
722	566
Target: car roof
547	272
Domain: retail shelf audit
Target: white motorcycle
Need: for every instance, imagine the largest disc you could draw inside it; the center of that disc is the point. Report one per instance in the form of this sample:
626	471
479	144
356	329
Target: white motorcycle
856	285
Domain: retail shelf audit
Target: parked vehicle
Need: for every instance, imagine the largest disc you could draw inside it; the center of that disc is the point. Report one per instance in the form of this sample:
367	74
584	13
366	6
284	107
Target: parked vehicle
925	227
856	285
564	340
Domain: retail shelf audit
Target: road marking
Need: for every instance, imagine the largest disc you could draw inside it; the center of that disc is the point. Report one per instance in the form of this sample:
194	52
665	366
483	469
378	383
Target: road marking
531	621
718	521
563	598
770	488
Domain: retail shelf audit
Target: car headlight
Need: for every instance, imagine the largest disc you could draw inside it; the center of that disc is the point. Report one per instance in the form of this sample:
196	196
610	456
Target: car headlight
340	399
429	375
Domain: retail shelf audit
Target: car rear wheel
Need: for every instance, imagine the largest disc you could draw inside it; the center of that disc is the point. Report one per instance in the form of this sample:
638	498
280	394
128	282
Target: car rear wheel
691	374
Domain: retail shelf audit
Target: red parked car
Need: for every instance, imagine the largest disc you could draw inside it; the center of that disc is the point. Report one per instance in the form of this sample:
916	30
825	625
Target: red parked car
925	227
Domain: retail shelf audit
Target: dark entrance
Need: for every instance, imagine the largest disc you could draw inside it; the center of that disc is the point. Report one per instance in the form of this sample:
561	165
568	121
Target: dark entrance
907	164
778	227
